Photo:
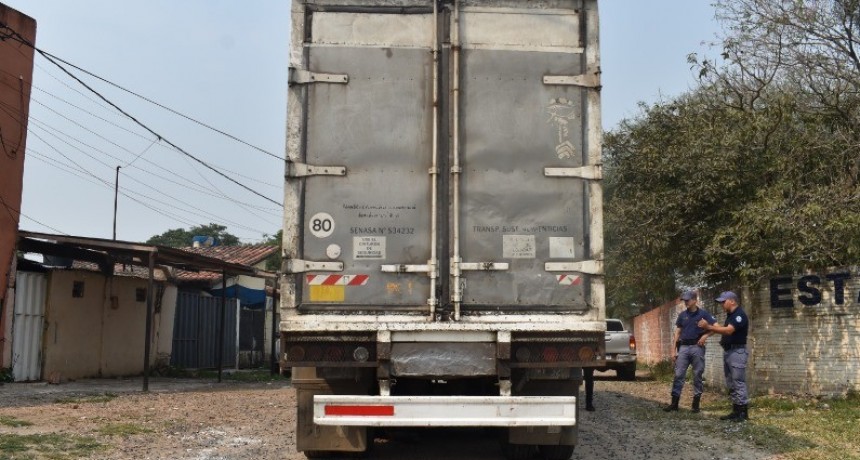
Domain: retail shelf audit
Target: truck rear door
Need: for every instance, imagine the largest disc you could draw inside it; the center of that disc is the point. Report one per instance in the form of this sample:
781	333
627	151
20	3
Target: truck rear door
526	161
366	203
445	159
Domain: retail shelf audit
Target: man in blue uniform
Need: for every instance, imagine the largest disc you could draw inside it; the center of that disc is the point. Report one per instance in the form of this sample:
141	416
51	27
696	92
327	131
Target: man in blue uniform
734	343
689	349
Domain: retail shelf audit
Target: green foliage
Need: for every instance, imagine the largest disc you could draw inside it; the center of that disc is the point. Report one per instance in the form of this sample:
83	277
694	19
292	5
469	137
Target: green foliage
53	446
753	173
181	238
664	371
6	375
13	422
273	263
122	429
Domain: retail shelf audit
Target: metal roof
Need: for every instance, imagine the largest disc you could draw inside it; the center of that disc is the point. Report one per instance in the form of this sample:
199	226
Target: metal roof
108	252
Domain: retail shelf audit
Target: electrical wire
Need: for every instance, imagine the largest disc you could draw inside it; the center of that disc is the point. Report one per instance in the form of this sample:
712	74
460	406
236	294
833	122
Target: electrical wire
53	131
12	210
52	60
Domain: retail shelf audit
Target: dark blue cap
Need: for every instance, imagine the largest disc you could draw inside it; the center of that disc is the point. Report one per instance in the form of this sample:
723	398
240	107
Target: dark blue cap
726	295
689	295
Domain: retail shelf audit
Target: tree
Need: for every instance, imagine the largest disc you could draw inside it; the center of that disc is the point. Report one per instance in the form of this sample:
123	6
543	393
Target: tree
754	172
180	238
273	263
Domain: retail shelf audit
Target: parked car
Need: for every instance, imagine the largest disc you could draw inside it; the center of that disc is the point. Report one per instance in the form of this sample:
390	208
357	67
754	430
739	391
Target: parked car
620	350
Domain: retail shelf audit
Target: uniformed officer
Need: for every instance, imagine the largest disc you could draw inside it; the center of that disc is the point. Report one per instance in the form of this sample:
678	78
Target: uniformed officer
734	343
689	349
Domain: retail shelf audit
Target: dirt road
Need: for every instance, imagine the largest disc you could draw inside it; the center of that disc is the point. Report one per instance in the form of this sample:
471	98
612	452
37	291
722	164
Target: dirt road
198	419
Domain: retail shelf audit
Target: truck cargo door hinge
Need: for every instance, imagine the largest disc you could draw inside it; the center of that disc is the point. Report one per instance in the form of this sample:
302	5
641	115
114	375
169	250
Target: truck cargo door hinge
403	268
295	169
483	266
588	267
303	77
592	172
585	80
291	266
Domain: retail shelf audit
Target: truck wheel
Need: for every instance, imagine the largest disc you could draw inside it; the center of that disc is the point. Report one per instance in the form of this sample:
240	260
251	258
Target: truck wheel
517	451
555	452
628	372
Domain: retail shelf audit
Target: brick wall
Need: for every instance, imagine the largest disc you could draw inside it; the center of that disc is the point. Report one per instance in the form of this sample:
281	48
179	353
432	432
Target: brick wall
804	334
654	331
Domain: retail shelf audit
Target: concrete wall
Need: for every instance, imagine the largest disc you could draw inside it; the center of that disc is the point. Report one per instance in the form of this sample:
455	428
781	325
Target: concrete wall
96	335
804	334
16	75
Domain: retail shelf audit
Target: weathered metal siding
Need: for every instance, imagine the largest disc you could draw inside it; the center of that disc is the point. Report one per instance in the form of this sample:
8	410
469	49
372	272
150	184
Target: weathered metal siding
378	126
16	75
27	326
195	332
513	125
460	147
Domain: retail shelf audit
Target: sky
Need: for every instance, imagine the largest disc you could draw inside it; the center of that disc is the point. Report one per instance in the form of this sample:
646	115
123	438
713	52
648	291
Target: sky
224	64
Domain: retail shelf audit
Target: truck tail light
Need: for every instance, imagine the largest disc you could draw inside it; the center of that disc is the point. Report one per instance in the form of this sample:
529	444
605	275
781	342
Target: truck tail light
632	343
550	354
319	353
536	353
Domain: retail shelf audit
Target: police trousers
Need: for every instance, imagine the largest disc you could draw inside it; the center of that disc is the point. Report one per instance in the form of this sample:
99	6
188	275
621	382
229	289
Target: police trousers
735	371
689	355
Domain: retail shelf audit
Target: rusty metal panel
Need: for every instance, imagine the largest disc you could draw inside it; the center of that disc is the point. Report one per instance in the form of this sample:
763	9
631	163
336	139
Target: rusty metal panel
27	326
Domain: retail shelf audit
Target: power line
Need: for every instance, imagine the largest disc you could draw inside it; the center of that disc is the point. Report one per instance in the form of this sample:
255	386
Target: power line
53	131
51	59
49	55
98	117
12	210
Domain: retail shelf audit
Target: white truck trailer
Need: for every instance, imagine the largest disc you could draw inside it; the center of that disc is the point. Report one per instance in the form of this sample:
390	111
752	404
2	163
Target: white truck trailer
443	237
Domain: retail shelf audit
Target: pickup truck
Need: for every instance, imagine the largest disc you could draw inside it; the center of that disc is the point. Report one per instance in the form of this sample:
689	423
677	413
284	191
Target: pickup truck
620	350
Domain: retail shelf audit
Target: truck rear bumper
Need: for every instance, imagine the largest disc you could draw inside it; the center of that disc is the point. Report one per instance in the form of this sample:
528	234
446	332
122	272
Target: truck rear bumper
430	411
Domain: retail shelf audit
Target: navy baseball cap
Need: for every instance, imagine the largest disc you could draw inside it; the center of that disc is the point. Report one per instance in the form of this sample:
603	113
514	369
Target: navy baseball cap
689	295
726	295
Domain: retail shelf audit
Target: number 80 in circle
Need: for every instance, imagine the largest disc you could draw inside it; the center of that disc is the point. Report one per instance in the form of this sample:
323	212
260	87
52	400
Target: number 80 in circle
321	225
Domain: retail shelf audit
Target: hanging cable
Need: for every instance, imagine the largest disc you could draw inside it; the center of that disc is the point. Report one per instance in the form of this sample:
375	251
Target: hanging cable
51	59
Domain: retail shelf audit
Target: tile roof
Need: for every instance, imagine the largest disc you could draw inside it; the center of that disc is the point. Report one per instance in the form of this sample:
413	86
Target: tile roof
132	271
246	255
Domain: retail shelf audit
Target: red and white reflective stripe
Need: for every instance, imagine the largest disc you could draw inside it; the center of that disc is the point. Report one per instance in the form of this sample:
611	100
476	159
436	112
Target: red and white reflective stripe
569	280
337	280
444	411
361	411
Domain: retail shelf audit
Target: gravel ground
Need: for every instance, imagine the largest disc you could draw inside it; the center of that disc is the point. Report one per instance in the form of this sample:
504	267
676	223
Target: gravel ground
198	419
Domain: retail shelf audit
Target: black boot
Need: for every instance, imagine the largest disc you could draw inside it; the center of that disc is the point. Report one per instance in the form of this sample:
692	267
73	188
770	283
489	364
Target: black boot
674	406
733	415
743	413
697	400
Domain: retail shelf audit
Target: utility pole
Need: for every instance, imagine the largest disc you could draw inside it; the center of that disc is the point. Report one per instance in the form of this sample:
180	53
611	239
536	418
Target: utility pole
115	200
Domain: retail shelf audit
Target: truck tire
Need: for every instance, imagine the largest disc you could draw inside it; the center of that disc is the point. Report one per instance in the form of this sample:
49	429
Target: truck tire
627	372
517	451
556	452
